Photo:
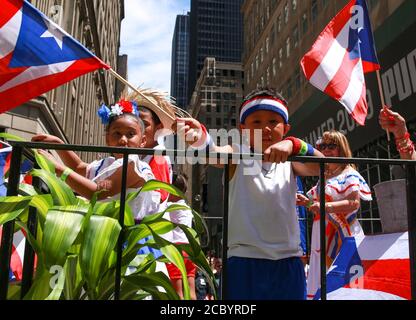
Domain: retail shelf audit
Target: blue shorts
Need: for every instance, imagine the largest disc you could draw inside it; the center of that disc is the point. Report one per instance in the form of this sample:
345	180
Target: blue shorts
262	279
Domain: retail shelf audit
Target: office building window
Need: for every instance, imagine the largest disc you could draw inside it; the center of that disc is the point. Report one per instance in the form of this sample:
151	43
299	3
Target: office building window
314	11
286	13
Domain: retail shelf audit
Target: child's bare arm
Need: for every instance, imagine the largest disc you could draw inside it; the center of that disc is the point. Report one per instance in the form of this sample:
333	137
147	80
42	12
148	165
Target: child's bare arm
70	158
191	131
108	187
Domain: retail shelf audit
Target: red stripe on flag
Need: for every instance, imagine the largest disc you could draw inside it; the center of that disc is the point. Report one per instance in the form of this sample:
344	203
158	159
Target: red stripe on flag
36	87
339	84
7	164
359	113
7	73
391	276
9	9
311	61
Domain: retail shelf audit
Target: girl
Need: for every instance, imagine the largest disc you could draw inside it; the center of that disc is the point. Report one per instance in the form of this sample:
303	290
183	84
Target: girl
124	128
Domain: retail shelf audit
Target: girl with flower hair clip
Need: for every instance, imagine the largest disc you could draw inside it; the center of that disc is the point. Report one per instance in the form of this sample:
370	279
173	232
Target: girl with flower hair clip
124	128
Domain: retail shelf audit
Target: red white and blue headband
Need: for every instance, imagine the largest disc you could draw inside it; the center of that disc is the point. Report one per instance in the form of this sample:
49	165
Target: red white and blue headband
121	107
264	103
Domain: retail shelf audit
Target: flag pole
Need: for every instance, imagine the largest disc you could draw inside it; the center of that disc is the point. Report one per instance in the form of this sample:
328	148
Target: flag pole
383	102
116	75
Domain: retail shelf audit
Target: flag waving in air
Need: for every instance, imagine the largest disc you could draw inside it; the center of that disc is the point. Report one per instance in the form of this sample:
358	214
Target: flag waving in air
340	57
36	55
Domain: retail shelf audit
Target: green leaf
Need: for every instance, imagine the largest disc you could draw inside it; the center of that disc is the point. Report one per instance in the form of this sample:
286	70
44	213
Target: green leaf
11	207
152	185
100	239
73	278
42	203
11	137
27	190
44	163
41	287
150	282
62	194
32	241
171	252
62	226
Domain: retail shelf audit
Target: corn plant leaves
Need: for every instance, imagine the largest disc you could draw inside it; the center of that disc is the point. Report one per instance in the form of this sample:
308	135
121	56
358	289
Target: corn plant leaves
171	252
12	207
62	194
100	239
62	226
149	283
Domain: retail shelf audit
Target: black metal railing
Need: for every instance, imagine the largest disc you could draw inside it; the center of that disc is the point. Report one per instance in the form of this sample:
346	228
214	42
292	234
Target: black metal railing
13	183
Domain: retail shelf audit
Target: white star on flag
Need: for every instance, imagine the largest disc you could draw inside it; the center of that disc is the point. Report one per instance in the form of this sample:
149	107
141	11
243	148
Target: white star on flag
54	31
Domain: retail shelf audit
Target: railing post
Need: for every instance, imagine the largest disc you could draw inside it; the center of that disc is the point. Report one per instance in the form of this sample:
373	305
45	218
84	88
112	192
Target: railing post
411	222
8	228
225	232
121	221
29	255
322	230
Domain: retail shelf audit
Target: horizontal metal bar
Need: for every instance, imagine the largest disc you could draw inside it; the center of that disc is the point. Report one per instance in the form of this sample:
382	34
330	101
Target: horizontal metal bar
184	153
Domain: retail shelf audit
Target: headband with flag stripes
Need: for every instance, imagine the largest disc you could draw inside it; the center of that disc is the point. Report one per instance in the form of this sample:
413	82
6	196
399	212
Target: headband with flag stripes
264	103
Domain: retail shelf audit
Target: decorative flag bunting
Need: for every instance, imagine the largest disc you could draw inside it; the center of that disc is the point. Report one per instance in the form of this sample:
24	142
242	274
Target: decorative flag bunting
340	57
371	268
36	55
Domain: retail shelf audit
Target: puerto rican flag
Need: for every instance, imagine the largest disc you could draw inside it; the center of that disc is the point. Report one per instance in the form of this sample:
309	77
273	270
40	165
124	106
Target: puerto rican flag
340	57
371	268
36	55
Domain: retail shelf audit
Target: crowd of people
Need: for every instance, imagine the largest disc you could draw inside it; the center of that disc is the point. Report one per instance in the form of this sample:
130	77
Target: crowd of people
264	260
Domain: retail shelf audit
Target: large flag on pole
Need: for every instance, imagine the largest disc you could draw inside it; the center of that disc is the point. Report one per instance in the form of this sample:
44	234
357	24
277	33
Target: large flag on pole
371	268
36	55
340	57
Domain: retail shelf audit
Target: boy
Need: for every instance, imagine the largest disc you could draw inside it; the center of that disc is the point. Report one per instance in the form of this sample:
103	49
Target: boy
263	232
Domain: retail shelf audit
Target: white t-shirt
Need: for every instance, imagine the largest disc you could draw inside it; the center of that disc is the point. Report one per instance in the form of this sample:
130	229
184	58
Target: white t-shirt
146	203
263	222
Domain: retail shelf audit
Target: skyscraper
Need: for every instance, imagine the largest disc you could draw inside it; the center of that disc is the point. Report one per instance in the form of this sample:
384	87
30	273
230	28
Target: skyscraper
217	32
180	61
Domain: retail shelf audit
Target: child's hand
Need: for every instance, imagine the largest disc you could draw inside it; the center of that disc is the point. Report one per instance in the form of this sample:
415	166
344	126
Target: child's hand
59	167
47	138
393	122
189	129
302	200
279	152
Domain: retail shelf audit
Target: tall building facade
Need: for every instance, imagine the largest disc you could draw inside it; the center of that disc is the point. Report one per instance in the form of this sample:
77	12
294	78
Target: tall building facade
277	35
216	31
69	111
180	60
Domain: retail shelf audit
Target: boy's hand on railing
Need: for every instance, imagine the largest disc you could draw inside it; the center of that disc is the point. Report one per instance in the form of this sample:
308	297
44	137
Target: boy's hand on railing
279	152
189	129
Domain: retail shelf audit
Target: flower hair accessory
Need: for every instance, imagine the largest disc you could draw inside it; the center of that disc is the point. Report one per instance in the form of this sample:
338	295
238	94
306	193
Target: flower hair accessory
105	113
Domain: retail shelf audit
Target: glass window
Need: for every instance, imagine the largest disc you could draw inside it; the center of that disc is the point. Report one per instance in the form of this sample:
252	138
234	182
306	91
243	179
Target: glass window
295	36
286	13
314	11
274	67
288	47
304	23
294	5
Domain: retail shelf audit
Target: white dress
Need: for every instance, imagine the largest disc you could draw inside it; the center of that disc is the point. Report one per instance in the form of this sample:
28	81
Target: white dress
338	226
147	202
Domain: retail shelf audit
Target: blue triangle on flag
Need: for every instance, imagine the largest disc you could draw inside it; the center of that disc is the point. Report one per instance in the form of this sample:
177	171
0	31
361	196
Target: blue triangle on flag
36	47
341	271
